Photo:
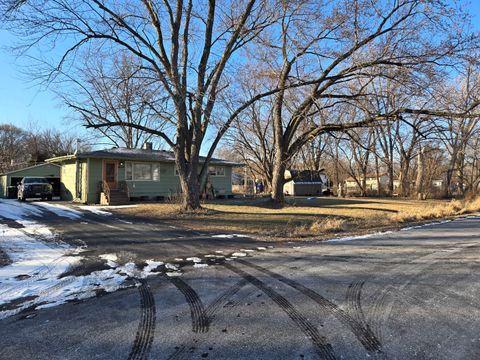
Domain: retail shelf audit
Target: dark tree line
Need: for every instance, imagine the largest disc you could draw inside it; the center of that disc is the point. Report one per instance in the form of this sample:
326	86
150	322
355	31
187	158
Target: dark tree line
20	148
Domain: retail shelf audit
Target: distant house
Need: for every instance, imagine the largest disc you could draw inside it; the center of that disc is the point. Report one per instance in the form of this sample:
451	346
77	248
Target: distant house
372	184
12	178
306	183
119	175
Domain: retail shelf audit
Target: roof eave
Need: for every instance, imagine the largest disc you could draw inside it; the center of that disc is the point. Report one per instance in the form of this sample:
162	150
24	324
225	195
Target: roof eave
61	158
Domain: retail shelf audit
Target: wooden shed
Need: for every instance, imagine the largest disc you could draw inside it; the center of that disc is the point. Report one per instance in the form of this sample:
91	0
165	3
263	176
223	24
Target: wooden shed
12	178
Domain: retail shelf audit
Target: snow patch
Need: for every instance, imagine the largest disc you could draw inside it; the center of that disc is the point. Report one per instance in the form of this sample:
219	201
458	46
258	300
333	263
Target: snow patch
95	209
359	237
424	225
125	221
239	254
194	259
172	274
60	210
111	259
171	266
15	210
197	265
229	236
151	265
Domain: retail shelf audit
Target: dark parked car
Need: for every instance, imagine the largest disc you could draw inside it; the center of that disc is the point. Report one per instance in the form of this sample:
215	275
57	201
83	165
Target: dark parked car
34	187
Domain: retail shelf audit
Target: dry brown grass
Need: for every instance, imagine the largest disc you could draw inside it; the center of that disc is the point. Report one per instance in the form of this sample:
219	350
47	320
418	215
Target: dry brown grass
451	208
330	225
302	217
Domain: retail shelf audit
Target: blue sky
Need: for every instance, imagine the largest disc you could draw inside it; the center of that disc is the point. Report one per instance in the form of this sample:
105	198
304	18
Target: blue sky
23	103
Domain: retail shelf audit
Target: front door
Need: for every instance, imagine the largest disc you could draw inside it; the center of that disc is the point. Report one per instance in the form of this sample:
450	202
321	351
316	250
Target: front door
110	173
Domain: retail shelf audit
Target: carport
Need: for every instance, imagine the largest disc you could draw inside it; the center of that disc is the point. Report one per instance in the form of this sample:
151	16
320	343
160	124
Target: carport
12	178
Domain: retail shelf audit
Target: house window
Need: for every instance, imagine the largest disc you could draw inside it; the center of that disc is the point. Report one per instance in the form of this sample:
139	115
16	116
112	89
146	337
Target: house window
216	171
142	171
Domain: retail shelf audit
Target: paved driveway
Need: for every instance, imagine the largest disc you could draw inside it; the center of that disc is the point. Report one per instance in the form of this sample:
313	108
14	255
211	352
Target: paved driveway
404	295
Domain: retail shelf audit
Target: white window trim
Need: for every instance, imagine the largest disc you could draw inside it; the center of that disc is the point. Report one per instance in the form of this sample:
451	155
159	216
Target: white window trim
217	167
133	171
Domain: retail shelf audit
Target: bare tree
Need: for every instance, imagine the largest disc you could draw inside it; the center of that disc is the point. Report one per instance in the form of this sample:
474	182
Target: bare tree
358	151
339	50
458	134
43	144
103	91
187	47
12	147
252	138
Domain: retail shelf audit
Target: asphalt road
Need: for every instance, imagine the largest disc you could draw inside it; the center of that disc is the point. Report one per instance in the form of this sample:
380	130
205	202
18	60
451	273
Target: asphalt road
405	295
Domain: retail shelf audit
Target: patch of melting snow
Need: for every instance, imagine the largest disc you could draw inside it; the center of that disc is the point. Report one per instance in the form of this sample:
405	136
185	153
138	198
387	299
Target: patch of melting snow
125	221
38	262
171	274
178	259
247	250
209	256
111	259
358	237
198	265
425	225
194	259
229	236
239	254
60	210
36	265
15	210
261	248
95	209
171	266
151	265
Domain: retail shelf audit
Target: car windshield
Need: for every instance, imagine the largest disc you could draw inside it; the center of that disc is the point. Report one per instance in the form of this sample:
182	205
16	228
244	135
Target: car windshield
35	180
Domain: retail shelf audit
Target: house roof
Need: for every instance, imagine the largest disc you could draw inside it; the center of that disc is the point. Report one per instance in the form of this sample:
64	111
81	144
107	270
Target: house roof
27	168
307	176
134	154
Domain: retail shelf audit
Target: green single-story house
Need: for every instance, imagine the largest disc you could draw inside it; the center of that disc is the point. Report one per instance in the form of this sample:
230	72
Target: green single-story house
12	178
118	175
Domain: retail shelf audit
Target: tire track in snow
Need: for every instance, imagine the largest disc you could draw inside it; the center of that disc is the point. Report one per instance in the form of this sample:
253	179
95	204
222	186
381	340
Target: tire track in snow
200	320
146	327
210	311
386	297
363	333
322	347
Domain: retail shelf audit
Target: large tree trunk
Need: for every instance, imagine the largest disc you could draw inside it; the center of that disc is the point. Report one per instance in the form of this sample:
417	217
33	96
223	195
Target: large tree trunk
461	172
278	180
391	178
191	193
403	183
377	174
419	183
